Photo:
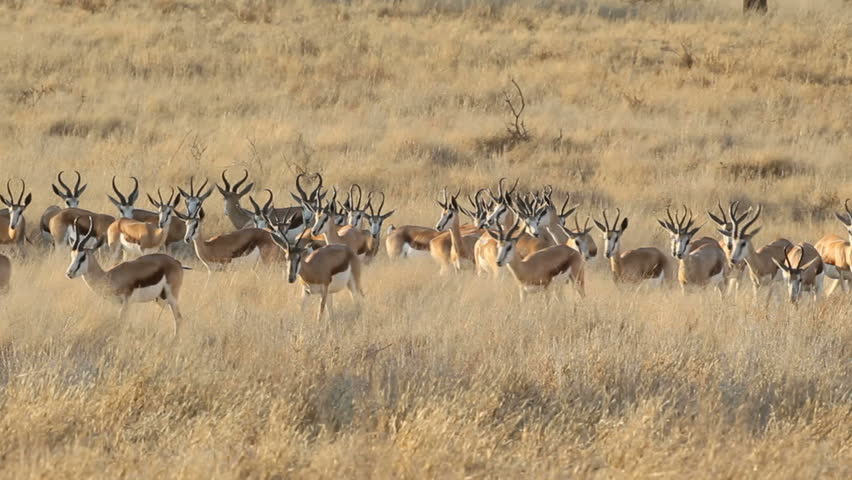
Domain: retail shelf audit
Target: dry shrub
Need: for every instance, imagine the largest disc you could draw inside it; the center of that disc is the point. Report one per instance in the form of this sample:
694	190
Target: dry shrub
437	154
762	167
91	6
102	128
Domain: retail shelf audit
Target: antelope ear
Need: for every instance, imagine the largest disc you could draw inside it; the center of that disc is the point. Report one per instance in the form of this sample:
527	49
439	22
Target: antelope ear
246	189
79	193
221	190
385	216
600	226
186	195
133	197
716	219
176	200
844	219
57	192
754	232
28	200
663	224
114	201
693	231
206	195
624	224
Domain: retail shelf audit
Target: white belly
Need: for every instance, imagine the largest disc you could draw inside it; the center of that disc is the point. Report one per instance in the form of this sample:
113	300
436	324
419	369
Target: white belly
657	281
339	281
148	294
409	252
716	279
249	259
130	247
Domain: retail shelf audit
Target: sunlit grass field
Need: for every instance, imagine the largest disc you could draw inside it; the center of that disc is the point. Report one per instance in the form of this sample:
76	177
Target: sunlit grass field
637	105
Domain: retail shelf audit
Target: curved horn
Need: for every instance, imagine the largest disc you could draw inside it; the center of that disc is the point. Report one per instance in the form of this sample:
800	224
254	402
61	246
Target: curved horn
77	184
63	185
745	228
617	217
846	206
352	203
9	189
115	189
299	187
606	220
268	203
236	185
254	205
225	181
23	190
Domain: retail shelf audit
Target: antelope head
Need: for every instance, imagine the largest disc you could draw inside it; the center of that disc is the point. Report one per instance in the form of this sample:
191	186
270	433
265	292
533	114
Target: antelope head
166	209
582	239
532	213
326	216
793	274
355	214
70	196
310	203
502	203
376	217
506	243
260	215
293	252
16	207
739	236
450	209
80	252
729	222
680	229
194	198
611	233
232	194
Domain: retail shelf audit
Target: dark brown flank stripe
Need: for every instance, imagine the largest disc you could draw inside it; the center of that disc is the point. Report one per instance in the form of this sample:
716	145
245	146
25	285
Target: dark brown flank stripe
717	267
419	245
148	281
560	269
340	268
245	249
656	271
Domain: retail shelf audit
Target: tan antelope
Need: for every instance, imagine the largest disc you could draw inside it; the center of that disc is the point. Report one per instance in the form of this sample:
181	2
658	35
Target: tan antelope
375	218
701	262
127	209
453	248
13	225
807	274
530	240
149	278
324	272
245	246
70	199
62	229
836	254
355	214
194	198
5	273
632	266
762	264
241	217
725	223
326	227
578	238
557	264
141	238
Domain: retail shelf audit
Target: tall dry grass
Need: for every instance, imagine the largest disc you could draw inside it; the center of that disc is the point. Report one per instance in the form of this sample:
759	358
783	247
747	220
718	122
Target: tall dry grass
630	104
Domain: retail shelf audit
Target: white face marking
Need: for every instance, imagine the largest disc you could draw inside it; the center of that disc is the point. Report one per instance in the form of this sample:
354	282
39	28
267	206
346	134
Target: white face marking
294	264
321	224
164	216
191	230
739	250
497	215
611	242
193	205
355	217
505	252
79	263
444	221
16	213
72	202
126	211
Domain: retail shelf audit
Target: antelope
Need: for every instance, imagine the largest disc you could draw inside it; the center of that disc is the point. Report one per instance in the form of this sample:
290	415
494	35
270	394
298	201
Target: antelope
502	210
700	263
154	277
836	253
556	264
323	272
194	198
375	219
13	225
761	263
529	241
808	273
245	246
309	203
632	266
62	229
126	209
326	227
726	222
239	216
260	216
579	238
140	238
5	273
354	213
70	199
452	247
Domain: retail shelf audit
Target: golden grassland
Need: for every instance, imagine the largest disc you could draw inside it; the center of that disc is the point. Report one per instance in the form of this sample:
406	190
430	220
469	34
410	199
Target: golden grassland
630	104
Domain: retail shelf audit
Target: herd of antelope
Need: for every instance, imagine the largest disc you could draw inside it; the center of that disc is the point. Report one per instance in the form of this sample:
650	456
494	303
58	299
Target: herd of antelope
323	242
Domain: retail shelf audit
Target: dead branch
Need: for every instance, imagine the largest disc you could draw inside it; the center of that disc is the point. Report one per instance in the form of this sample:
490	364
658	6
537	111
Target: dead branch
517	129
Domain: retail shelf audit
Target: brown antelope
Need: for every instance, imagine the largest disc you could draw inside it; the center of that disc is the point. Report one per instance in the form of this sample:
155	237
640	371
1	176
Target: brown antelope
837	254
261	216
354	212
325	271
239	216
375	218
632	266
62	229
579	239
726	223
149	278
70	199
245	246
325	226
5	273
807	274
701	262
126	208
453	247
194	198
762	264
529	241
13	225
140	238
557	264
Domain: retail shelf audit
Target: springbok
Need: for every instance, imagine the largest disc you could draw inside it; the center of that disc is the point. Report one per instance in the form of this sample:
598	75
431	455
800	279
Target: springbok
62	229
245	246
452	247
241	217
557	264
70	199
579	238
807	274
726	223
701	262
325	226
325	271
762	264
375	218
5	273
140	238
154	277
13	225
632	266
837	254
354	212
194	199
127	209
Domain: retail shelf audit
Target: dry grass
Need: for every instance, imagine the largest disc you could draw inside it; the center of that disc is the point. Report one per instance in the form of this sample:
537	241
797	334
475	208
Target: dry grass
631	104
